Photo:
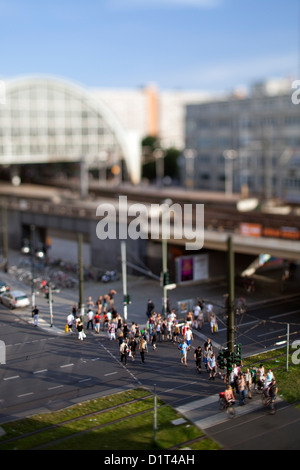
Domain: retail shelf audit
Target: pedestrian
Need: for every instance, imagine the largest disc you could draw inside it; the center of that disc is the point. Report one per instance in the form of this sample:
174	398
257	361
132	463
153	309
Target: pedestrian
208	345
153	340
184	329
189	337
137	333
105	322
70	322
119	322
212	366
269	377
248	379
176	332
35	315
112	331
97	320
198	358
90	303
183	347
124	349
125	329
196	311
150	308
120	336
235	372
241	386
81	334
209	309
142	349
164	330
205	357
213	324
111	298
158	330
151	324
90	318
132	347
99	305
200	320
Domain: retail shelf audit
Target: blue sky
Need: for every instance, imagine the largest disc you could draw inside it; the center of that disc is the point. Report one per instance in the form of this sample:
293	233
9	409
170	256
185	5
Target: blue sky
183	44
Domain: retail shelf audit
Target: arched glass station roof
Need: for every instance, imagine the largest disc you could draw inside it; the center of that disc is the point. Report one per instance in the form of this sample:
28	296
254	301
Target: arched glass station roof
47	120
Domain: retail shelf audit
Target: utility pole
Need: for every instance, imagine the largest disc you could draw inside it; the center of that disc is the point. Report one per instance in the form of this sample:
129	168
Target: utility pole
32	255
4	235
154	414
80	275
287	346
165	273
124	277
230	306
50	305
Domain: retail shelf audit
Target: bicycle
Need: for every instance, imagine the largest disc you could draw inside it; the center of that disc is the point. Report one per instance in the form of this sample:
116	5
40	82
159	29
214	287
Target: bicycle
269	402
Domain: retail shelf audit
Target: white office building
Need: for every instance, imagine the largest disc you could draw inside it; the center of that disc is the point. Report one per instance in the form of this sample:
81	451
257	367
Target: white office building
246	143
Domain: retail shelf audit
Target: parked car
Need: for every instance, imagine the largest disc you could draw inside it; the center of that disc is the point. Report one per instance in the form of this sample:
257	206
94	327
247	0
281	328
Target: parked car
109	276
3	287
14	299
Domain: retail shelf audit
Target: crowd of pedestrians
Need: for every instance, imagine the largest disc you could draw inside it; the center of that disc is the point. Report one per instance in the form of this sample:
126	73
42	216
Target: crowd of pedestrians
102	316
243	382
133	340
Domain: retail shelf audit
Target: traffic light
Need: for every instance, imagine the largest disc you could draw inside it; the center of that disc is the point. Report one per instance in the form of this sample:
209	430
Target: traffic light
47	294
221	360
166	278
238	355
127	300
229	363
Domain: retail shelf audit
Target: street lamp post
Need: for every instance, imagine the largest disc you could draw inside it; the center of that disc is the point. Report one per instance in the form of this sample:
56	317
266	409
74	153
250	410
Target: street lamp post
164	242
80	275
32	253
124	278
4	236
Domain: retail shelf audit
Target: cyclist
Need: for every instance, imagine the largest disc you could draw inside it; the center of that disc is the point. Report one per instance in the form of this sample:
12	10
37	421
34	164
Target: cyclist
270	395
272	390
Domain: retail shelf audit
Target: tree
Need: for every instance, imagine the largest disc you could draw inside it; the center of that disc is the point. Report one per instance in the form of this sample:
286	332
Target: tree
171	155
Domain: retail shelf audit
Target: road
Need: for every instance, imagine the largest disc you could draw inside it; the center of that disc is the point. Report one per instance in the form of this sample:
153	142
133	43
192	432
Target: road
47	369
45	372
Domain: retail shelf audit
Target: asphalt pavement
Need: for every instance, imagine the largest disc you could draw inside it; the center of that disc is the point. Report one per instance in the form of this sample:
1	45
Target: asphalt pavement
268	288
253	427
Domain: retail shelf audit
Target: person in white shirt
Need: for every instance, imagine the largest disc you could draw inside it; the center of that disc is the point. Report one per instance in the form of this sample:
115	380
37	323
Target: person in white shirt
196	311
70	322
189	337
90	316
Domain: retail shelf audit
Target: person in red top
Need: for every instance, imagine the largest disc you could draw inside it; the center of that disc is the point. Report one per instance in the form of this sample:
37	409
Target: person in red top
184	329
97	320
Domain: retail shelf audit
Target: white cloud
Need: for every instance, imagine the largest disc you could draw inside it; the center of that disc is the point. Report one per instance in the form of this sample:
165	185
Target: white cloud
140	4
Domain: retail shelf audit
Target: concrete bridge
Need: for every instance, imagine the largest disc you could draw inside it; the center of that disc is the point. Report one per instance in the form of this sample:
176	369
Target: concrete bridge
61	215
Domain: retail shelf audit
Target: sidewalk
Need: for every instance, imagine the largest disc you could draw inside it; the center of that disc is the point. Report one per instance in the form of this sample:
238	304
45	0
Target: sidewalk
205	413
